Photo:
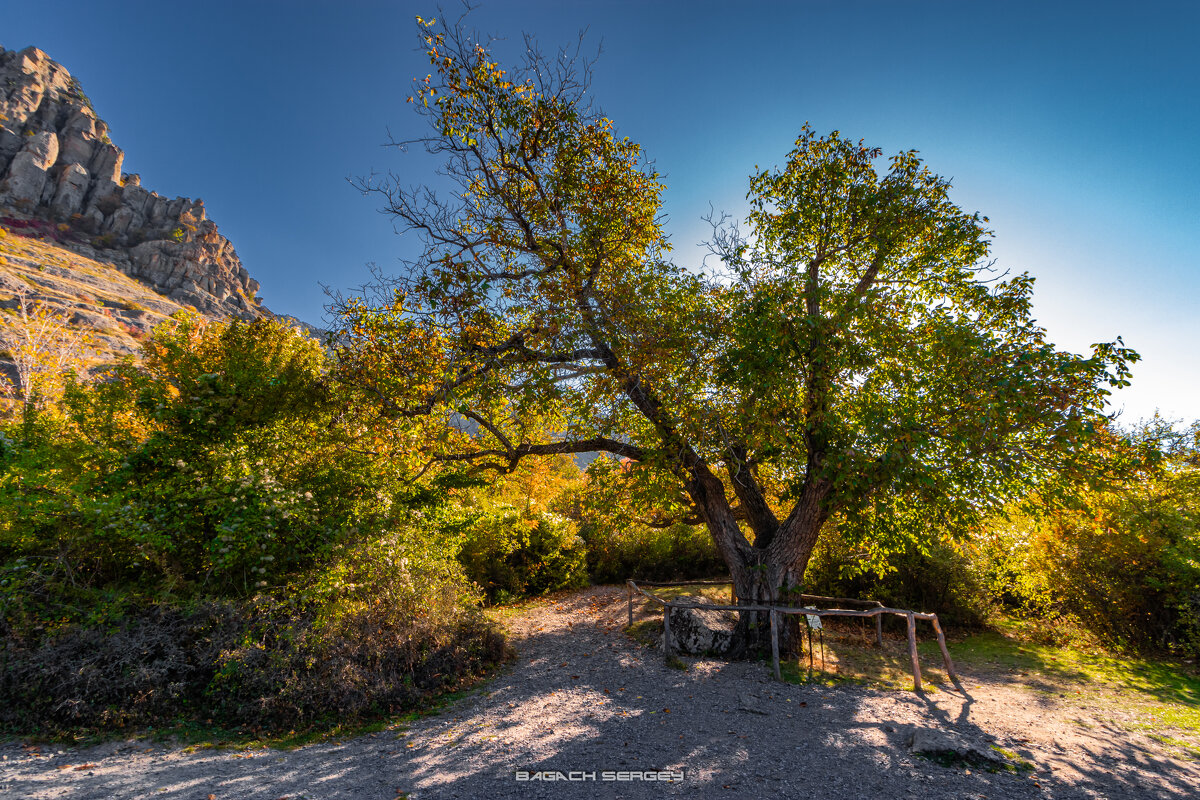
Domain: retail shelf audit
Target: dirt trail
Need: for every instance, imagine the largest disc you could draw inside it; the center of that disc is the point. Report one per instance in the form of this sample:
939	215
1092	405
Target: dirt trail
584	698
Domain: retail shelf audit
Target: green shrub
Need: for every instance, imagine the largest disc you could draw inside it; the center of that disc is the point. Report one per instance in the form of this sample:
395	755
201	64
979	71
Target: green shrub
1109	557
678	552
1124	566
934	576
389	621
215	534
513	556
213	468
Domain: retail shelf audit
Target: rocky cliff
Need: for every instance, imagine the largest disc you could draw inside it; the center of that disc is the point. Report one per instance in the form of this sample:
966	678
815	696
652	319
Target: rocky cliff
58	164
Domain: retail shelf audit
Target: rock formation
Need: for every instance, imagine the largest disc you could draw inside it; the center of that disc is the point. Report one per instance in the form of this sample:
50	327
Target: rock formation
696	630
57	163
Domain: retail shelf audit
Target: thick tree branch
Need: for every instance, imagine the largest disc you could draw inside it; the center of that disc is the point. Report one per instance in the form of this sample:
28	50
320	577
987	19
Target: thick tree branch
749	493
512	455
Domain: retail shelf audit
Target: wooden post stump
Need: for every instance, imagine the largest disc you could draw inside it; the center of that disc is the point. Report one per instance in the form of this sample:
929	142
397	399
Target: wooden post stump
775	646
941	637
667	630
912	650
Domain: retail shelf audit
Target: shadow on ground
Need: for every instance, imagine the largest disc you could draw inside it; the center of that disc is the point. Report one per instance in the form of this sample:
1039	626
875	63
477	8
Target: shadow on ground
583	698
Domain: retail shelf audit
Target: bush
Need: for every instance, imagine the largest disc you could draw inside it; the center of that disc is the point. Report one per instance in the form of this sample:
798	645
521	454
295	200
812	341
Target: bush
512	556
1124	567
678	552
1119	560
217	467
391	621
144	667
263	665
935	575
213	534
1108	556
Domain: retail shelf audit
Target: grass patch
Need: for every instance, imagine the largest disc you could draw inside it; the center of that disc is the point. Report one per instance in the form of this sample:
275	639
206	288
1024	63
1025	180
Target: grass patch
1184	747
647	632
797	671
675	662
1165	694
501	613
852	656
1163	681
718	595
1163	697
1015	762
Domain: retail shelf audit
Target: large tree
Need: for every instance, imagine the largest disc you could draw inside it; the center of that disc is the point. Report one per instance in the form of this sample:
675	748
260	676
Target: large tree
853	353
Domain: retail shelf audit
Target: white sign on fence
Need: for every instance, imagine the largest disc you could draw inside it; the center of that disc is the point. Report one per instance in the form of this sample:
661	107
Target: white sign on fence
814	621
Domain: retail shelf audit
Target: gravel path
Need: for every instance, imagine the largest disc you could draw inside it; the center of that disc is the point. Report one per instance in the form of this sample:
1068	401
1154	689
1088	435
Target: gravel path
584	698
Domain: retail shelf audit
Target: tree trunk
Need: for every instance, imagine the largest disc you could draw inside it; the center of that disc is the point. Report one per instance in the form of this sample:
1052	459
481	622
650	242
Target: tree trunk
771	572
764	585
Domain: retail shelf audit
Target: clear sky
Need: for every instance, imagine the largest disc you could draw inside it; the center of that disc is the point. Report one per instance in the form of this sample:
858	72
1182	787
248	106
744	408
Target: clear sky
1075	127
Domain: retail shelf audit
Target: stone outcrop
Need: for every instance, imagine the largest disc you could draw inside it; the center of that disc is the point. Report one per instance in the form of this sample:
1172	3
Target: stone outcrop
57	163
952	748
701	631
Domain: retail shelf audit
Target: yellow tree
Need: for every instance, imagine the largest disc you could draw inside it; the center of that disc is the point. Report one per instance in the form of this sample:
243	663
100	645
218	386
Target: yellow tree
43	347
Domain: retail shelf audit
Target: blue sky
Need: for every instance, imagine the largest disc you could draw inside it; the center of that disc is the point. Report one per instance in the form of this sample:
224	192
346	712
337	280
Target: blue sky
1073	126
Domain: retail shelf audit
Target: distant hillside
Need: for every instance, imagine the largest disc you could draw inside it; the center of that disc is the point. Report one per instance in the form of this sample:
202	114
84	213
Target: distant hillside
96	295
82	235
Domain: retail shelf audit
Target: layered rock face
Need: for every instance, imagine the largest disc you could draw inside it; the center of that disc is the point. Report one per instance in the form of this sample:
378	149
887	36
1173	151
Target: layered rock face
58	163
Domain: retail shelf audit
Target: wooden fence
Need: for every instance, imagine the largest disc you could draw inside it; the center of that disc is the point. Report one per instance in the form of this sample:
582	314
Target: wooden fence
875	610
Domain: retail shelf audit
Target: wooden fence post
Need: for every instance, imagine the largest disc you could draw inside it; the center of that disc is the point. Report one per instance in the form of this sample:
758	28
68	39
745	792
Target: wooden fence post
629	589
667	630
942	644
879	629
775	646
912	650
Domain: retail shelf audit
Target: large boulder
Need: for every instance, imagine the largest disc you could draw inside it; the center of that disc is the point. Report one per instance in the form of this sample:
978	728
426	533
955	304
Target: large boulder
701	631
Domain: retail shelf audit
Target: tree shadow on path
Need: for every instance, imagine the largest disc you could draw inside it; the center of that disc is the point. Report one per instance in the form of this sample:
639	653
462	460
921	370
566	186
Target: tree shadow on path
583	698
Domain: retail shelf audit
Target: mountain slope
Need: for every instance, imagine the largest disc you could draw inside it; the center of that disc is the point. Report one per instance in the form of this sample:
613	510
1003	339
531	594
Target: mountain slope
61	180
118	309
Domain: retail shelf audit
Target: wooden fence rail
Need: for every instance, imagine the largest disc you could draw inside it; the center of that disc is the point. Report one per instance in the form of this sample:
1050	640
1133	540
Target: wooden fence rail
815	598
877	610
